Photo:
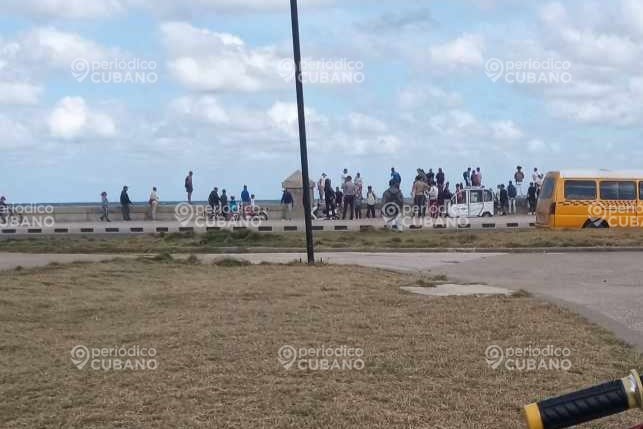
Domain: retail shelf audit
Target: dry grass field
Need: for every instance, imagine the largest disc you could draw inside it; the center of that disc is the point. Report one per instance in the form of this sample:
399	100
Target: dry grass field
214	242
217	330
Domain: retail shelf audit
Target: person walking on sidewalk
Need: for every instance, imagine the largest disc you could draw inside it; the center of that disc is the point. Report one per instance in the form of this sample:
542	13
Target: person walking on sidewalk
154	203
125	203
392	206
104	206
286	205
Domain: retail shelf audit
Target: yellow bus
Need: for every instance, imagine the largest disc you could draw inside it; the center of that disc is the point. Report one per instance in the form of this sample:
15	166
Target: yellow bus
591	199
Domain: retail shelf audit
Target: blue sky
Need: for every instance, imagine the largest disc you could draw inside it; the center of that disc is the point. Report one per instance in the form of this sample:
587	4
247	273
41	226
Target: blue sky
418	90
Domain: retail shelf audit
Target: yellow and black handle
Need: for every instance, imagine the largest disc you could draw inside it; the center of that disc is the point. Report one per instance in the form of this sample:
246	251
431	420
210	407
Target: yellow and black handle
586	405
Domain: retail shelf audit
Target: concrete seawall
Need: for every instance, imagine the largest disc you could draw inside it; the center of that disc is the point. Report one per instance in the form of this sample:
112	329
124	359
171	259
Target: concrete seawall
141	212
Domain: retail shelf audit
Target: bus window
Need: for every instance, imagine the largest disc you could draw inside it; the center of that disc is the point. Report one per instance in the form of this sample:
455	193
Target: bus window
640	190
548	188
580	190
488	196
618	191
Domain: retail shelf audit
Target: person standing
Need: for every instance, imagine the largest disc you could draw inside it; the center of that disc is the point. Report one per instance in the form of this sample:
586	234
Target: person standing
444	199
512	194
104	205
189	186
433	201
225	210
125	203
286	205
532	198
339	198
467	177
213	202
245	197
418	192
329	196
519	177
395	176
371	201
348	189
359	185
344	176
440	178
321	187
154	202
393	203
504	200
476	178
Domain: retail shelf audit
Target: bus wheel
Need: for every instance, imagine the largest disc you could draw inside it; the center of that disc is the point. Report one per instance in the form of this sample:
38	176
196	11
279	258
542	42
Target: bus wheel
487	214
596	224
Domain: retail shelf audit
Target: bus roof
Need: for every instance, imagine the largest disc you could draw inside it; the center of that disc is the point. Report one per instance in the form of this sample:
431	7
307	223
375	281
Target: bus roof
601	174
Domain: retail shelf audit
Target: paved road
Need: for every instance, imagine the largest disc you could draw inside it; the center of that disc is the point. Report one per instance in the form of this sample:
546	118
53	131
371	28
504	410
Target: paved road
607	288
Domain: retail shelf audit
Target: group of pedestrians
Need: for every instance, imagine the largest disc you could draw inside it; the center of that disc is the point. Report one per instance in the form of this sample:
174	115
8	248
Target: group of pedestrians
430	193
506	197
349	197
220	204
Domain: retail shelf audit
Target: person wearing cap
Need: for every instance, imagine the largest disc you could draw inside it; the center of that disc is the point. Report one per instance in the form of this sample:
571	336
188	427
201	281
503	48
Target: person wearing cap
321	185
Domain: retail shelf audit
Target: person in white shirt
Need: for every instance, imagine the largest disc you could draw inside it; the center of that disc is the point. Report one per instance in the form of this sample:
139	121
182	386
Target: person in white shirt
154	202
344	176
433	201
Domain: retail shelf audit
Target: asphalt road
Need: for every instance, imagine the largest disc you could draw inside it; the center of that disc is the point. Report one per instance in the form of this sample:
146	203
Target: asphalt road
606	288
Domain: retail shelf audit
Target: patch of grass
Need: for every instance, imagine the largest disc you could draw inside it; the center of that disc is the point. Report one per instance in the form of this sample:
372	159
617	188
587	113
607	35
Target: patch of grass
218	330
215	241
231	262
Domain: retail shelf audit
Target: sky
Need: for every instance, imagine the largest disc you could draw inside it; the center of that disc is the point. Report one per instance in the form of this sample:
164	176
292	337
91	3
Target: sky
99	94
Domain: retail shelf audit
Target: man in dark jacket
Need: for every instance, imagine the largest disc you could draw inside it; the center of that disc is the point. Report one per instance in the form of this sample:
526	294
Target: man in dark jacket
532	197
214	201
125	203
512	194
504	200
189	186
392	205
223	204
440	178
286	205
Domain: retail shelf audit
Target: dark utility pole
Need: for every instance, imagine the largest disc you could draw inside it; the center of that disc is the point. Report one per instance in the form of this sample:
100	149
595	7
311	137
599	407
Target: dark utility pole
302	132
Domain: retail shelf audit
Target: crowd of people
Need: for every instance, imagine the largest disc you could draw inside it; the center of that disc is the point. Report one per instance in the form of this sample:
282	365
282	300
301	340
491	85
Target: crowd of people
430	193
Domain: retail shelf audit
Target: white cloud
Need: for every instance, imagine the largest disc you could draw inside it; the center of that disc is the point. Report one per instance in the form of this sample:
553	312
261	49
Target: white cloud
203	60
465	51
67	9
15	135
72	119
506	130
206	108
364	123
457	123
420	96
19	93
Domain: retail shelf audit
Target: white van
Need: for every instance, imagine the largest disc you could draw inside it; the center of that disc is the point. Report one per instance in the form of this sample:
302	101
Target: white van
474	202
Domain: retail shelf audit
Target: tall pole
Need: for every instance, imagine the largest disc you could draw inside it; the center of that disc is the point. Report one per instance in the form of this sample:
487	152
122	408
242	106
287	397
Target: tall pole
302	132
